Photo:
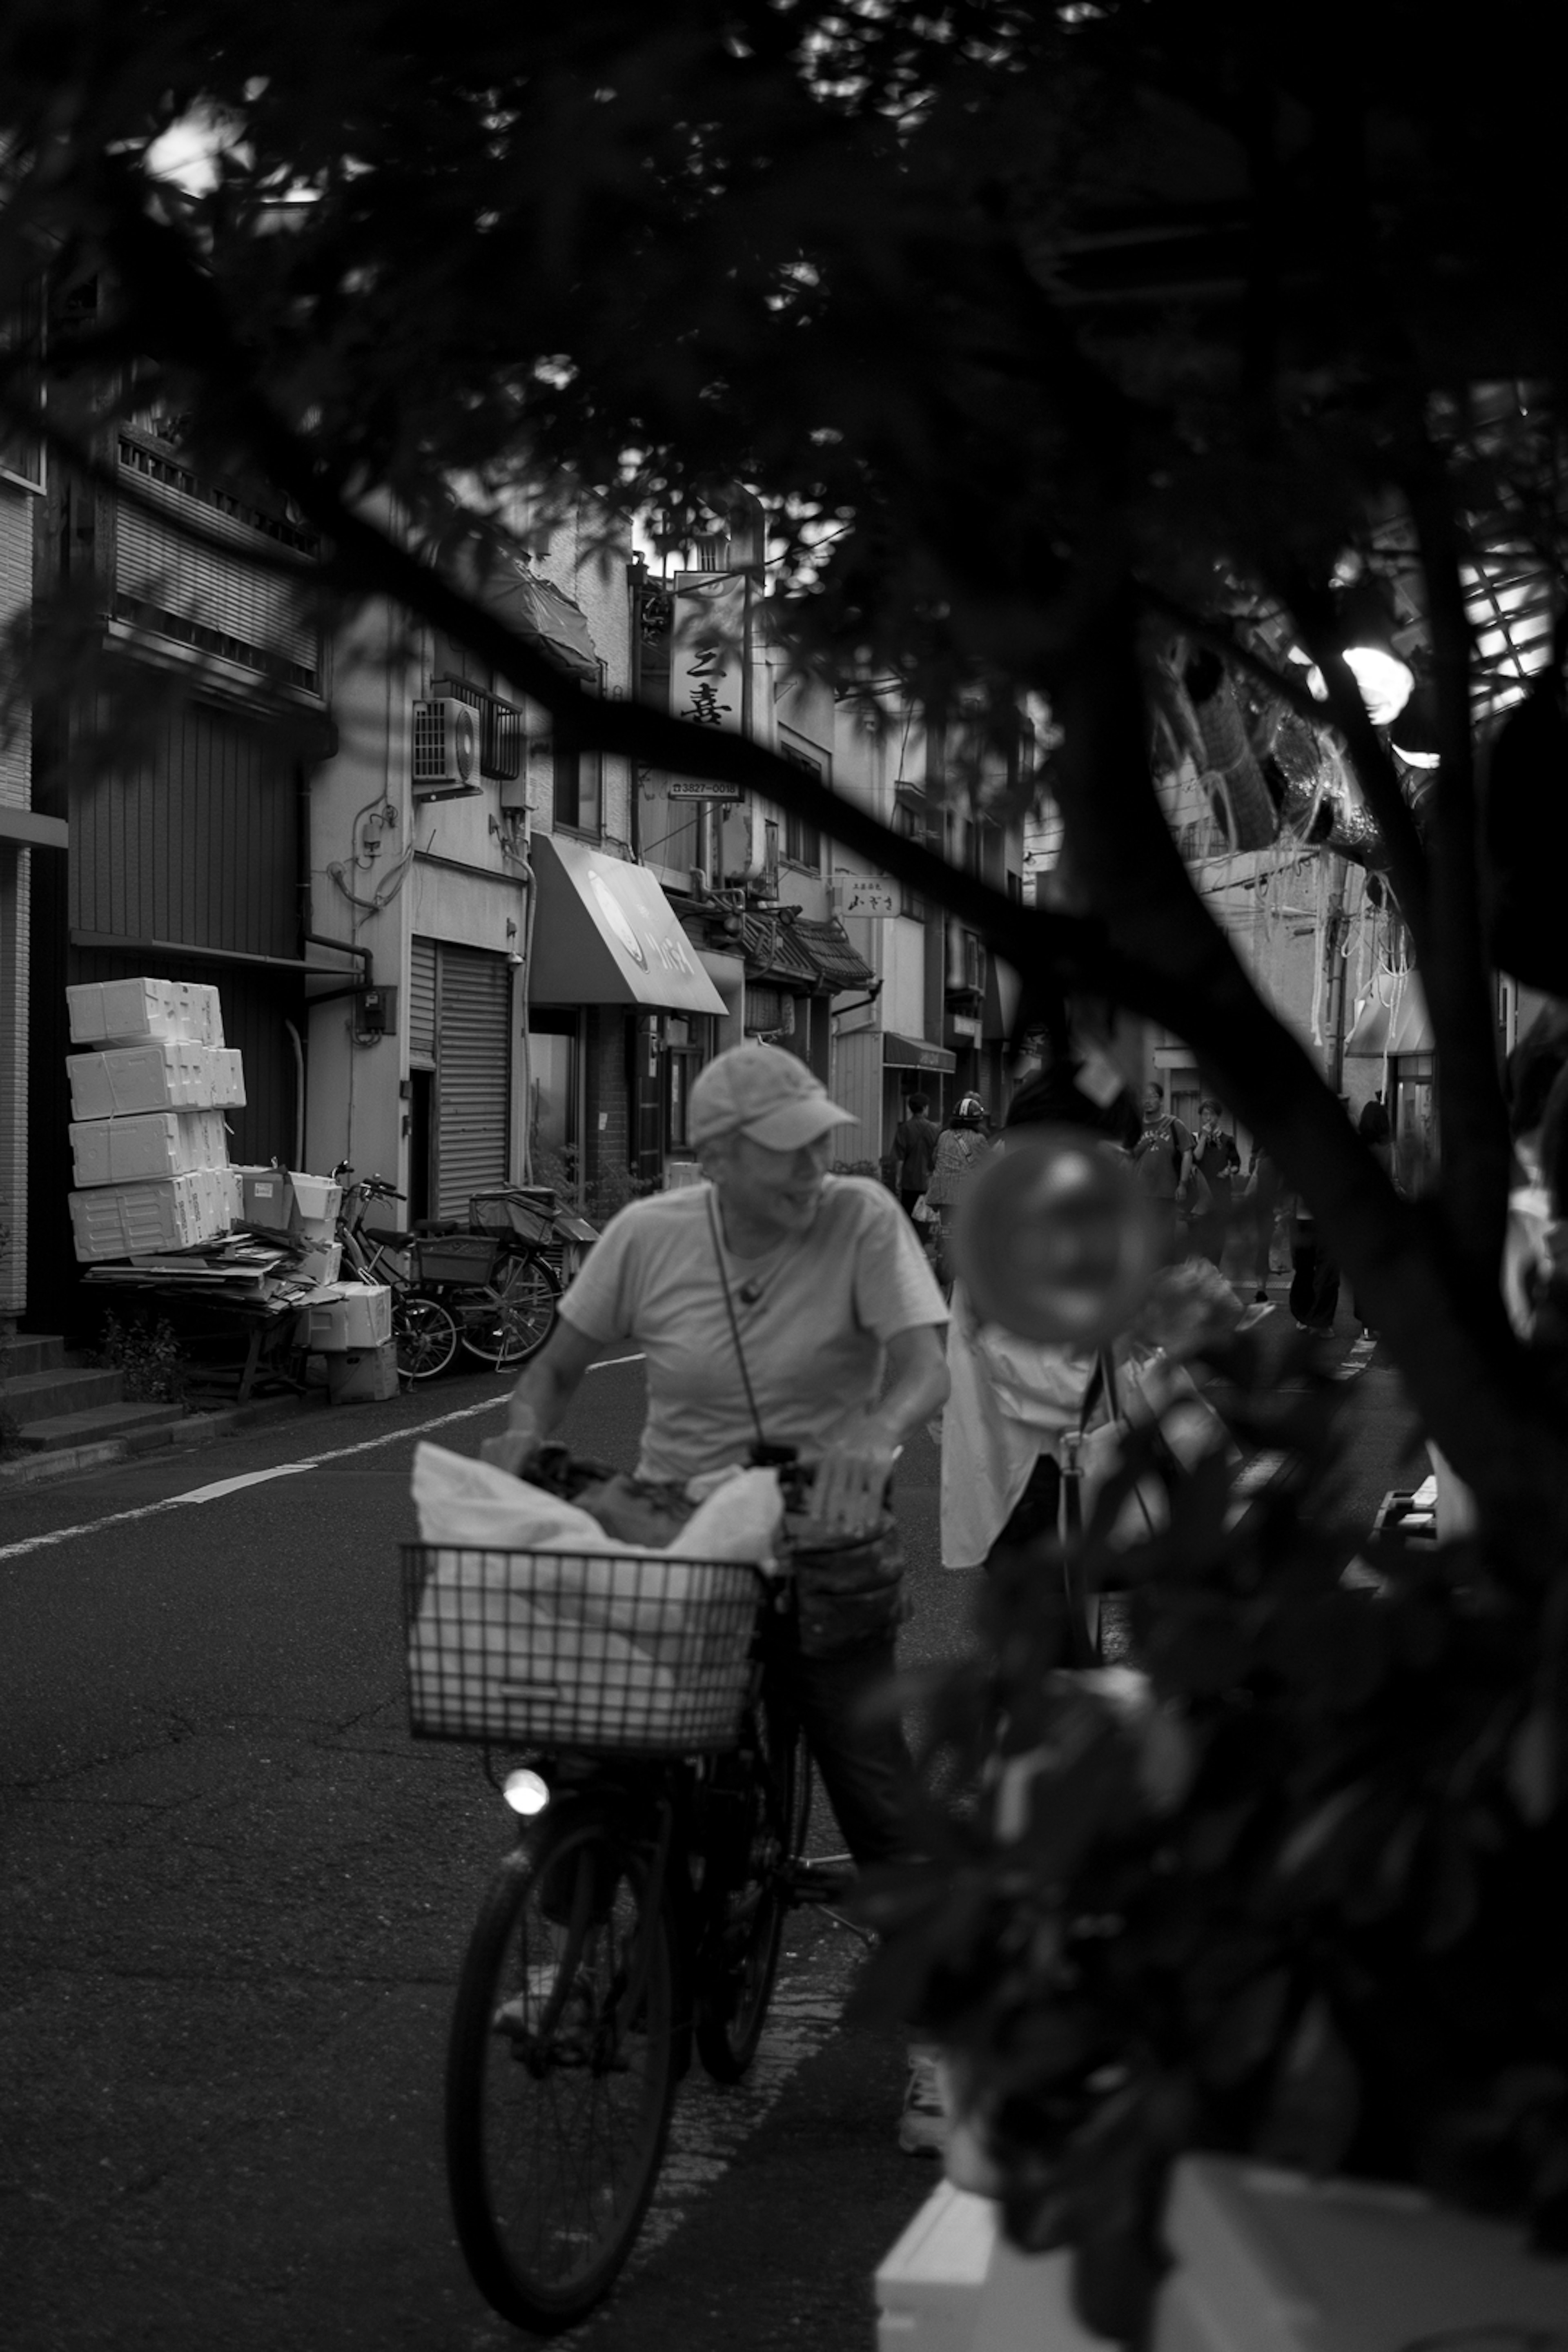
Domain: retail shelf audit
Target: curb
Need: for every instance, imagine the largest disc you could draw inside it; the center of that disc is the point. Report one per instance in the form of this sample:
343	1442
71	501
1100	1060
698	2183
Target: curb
199	1429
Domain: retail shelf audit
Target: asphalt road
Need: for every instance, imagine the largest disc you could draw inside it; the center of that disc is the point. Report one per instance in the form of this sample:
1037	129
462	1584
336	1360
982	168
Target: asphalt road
237	1894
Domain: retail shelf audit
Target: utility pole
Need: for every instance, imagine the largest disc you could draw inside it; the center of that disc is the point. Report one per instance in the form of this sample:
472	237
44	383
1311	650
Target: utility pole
1334	970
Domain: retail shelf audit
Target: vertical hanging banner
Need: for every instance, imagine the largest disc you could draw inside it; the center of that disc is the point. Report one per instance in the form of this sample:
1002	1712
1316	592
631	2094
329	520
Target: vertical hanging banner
717	675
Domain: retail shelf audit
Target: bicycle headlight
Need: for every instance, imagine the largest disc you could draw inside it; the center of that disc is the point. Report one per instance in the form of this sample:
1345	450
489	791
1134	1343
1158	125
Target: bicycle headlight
526	1792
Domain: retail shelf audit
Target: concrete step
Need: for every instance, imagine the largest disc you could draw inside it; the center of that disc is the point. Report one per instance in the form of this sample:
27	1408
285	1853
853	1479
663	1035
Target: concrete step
41	1396
136	1424
26	1353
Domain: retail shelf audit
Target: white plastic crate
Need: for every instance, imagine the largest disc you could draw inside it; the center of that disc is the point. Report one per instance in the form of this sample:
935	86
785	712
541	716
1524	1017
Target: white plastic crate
170	1075
1271	2262
317	1201
147	1144
929	2287
113	1012
117	1221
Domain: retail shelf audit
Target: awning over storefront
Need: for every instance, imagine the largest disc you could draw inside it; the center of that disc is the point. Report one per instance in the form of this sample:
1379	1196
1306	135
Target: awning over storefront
915	1053
604	934
840	965
535	607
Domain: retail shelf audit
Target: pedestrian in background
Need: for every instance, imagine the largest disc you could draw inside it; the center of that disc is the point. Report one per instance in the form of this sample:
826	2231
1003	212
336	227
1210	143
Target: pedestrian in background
1163	1158
914	1151
962	1147
1012	1400
1217	1160
1314	1296
1262	1195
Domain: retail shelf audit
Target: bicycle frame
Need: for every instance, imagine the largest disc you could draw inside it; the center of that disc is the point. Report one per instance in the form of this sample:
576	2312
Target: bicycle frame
675	1817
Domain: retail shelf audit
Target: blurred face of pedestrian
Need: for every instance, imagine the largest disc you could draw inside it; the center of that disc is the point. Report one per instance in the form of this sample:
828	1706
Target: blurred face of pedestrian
1208	1115
766	1196
1154	1104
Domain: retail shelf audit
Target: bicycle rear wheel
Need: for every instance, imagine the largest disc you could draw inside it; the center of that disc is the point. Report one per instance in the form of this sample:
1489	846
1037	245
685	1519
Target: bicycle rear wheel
561	2070
743	1962
425	1335
515	1315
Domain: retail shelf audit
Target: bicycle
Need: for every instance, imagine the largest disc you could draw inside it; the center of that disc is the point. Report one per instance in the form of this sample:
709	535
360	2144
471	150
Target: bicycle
640	1916
494	1297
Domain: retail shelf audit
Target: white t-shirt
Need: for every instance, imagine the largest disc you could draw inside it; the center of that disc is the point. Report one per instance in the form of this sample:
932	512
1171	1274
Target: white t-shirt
814	1325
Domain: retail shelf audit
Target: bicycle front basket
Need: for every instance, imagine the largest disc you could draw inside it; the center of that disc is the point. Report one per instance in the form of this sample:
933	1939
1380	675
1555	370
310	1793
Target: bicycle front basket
454	1257
569	1650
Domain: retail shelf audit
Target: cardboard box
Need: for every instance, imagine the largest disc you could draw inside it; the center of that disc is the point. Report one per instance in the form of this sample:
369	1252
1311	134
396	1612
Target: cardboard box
1271	2262
112	1013
362	1376
116	1221
345	1316
170	1075
147	1144
320	1262
266	1197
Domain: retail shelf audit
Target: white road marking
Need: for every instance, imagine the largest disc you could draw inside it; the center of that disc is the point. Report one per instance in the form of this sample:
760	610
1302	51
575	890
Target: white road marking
283	1470
232	1486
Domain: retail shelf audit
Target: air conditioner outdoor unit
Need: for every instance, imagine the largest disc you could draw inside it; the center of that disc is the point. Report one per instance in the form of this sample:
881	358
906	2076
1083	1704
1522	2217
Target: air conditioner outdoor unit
446	750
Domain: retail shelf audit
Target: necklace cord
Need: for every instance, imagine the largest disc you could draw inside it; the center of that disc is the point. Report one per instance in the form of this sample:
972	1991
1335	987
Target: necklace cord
734	1322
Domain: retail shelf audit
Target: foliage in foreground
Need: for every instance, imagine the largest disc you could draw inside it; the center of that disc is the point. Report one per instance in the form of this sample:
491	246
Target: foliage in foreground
1296	1894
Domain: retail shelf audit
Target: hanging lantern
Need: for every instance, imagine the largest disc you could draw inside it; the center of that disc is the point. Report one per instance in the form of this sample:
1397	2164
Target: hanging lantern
1231	775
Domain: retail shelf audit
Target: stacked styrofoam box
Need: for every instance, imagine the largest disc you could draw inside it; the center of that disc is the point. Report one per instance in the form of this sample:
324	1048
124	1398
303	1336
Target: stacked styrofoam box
137	1145
129	1012
148	1145
170	1075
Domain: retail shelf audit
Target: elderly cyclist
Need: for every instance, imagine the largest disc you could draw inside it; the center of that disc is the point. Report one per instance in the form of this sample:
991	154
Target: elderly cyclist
777	1307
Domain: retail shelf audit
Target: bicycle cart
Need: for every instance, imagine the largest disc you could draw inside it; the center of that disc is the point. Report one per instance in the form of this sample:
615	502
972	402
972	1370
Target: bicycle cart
665	1798
489	1292
501	1299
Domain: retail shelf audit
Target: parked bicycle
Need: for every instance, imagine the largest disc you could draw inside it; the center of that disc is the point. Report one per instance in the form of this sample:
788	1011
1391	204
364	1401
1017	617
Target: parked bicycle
664	1797
494	1295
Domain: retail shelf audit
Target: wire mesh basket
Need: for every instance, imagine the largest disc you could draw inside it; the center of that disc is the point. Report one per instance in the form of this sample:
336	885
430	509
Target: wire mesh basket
456	1257
568	1650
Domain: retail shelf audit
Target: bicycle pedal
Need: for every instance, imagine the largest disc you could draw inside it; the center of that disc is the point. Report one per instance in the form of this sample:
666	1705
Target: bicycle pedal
822	1882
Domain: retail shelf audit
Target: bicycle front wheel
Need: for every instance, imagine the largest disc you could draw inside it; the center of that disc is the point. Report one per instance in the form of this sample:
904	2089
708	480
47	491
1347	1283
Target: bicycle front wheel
773	1792
561	2070
512	1318
425	1336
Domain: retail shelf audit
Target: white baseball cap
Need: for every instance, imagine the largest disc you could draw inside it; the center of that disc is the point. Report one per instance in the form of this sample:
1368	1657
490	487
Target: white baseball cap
762	1092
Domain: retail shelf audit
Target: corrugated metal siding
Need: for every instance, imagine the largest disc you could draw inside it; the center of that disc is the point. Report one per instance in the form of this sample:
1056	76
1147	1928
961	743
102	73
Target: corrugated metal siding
473	1075
199	842
422	1000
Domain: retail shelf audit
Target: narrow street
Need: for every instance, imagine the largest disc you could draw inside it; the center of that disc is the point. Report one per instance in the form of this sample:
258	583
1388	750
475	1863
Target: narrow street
236	1897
